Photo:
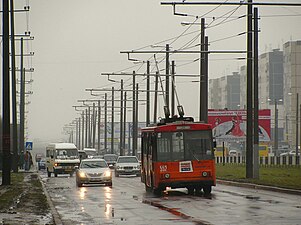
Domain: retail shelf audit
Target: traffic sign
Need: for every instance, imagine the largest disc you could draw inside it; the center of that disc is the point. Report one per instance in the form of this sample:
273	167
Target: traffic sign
28	145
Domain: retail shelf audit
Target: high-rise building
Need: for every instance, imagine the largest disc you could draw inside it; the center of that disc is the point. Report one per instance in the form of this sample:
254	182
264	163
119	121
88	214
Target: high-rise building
224	92
270	88
292	87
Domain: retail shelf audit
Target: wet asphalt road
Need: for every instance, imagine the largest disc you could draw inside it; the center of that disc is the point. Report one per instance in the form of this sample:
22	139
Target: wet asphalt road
128	203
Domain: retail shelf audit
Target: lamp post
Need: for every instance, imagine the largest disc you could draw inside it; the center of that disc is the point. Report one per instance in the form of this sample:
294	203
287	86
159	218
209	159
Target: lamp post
276	125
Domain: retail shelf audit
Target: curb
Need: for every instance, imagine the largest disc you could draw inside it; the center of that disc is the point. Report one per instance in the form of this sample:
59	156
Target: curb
56	217
260	187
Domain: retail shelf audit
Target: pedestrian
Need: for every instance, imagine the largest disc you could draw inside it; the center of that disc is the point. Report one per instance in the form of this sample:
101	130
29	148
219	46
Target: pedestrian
30	160
21	160
26	160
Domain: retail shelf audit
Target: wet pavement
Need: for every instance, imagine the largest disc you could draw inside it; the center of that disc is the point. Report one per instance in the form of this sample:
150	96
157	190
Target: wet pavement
128	203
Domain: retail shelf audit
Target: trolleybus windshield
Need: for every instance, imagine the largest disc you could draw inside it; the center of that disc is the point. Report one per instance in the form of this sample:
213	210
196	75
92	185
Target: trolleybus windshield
184	145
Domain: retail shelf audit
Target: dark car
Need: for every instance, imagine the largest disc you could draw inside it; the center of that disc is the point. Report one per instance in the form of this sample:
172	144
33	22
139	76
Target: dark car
110	159
41	164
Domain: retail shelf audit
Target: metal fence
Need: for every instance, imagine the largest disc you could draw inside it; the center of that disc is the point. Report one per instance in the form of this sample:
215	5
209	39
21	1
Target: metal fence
264	161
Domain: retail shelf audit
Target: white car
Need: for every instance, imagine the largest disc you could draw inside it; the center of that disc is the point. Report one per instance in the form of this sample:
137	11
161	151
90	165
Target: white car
290	153
93	171
233	153
127	165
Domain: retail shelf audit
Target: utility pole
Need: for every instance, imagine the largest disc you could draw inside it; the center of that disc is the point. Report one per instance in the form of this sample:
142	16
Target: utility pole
202	73
134	115
22	100
276	129
6	178
135	138
147	93
98	127
173	87
106	127
14	91
93	126
156	96
249	153
112	124
124	124
256	102
167	79
297	128
79	132
83	129
121	147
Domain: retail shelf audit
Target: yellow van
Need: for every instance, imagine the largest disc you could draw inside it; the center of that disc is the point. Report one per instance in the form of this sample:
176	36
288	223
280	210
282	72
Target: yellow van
263	150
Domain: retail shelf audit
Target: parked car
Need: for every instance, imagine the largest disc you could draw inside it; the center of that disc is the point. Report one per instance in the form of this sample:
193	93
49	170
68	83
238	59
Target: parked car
127	165
289	153
41	164
110	159
93	171
233	153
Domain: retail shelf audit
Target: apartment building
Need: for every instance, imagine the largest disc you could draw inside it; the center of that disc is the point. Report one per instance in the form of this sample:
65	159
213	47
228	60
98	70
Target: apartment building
292	87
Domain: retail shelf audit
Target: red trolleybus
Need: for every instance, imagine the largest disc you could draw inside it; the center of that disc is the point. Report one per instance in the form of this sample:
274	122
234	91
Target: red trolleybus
178	153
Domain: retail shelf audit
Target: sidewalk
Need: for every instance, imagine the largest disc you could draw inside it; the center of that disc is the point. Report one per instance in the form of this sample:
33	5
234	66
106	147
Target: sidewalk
24	201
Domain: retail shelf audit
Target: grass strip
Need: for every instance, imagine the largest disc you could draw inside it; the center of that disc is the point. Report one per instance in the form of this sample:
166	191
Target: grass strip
285	177
9	193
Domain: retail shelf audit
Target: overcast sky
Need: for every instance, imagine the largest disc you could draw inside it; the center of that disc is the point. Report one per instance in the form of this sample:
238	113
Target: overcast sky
76	40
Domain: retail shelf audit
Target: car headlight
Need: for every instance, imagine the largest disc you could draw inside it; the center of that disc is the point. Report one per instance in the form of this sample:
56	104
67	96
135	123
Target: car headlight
118	167
138	167
107	173
82	174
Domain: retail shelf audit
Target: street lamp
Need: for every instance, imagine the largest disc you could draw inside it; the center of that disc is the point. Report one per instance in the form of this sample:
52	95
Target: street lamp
276	126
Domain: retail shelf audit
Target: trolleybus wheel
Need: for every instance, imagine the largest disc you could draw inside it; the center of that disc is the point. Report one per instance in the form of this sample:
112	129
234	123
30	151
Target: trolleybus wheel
157	191
207	190
190	190
148	189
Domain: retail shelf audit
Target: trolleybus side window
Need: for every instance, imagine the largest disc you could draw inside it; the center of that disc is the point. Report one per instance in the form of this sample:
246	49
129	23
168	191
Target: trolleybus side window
163	147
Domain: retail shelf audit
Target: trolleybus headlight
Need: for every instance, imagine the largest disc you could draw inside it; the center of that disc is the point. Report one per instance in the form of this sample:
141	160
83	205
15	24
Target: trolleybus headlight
205	174
167	175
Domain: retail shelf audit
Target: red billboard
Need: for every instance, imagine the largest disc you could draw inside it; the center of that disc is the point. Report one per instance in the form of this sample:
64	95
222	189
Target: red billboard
232	124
